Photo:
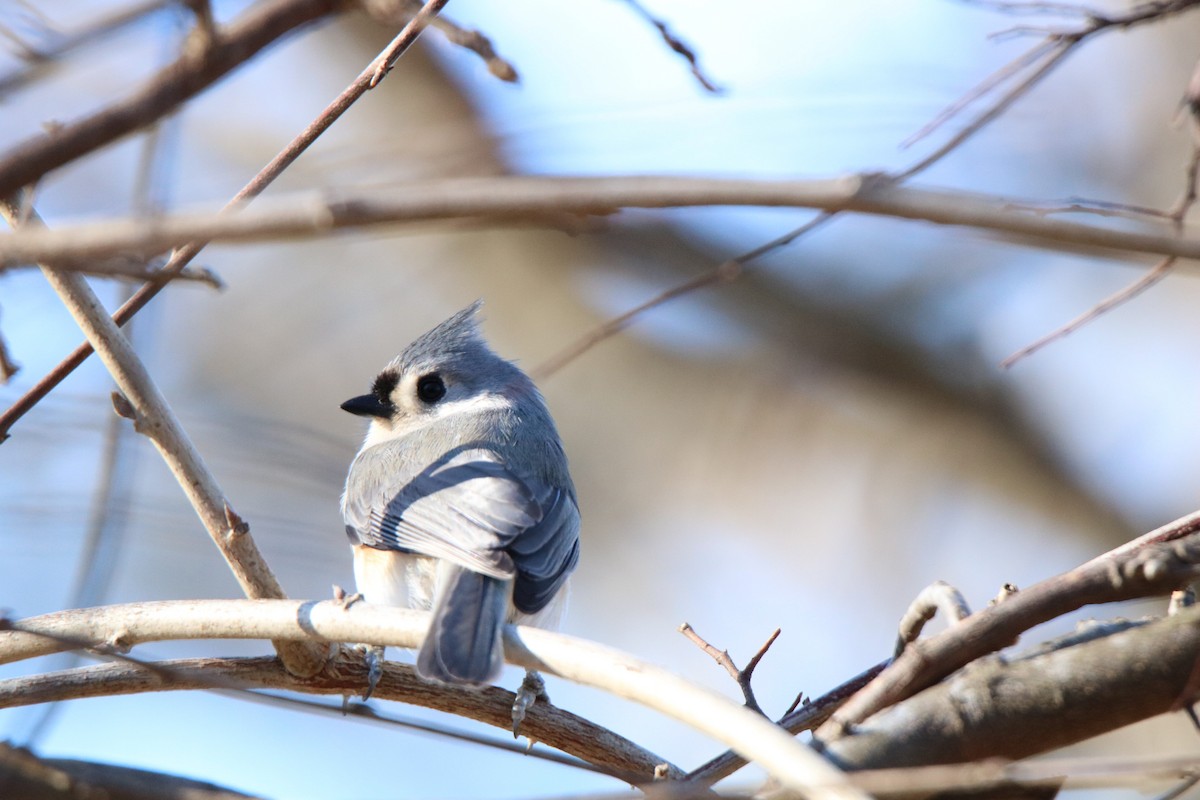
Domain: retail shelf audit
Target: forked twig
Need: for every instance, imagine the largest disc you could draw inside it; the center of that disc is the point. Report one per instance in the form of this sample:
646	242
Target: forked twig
1175	214
723	659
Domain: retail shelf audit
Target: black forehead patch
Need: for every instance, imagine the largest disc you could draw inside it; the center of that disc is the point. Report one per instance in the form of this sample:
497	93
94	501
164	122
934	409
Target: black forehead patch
385	383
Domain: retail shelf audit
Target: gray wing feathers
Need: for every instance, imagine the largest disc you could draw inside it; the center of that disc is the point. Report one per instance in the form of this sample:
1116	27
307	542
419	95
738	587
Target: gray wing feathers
463	643
466	511
471	510
546	554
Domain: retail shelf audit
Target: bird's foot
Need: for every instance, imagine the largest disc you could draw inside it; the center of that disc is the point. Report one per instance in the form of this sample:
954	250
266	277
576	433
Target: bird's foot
373	656
533	688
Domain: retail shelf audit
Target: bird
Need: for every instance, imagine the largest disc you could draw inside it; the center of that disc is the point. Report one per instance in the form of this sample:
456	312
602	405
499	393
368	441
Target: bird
460	501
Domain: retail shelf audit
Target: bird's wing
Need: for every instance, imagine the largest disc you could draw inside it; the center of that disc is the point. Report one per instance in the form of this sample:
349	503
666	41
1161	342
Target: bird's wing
468	509
546	553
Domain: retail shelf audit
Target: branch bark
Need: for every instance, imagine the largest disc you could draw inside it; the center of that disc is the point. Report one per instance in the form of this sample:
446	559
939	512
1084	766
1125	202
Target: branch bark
544	723
794	765
1158	565
531	200
1055	696
153	417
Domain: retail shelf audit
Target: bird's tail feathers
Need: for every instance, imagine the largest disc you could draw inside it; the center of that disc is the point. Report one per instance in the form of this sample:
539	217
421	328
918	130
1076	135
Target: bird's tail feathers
463	644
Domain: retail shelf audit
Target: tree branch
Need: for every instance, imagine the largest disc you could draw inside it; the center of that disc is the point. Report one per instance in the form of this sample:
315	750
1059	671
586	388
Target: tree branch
1090	683
1132	571
588	663
508	199
544	723
153	417
184	255
193	72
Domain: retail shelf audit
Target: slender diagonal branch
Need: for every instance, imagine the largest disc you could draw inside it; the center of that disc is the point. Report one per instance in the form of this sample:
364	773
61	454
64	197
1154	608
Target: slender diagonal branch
184	255
153	416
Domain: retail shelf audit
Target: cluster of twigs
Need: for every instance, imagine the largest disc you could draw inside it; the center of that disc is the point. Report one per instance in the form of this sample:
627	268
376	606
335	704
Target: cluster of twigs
851	731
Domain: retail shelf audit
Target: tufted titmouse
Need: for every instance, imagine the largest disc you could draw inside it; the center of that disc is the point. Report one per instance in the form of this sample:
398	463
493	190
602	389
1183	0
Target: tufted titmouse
460	500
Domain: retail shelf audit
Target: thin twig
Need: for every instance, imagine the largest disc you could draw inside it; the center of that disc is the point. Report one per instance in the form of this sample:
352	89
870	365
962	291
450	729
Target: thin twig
470	39
1175	214
184	255
1055	46
741	676
8	367
40	57
384	62
136	269
676	44
1156	274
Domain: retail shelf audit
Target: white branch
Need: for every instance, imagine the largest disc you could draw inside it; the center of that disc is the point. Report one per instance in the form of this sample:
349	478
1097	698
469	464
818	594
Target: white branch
752	736
545	200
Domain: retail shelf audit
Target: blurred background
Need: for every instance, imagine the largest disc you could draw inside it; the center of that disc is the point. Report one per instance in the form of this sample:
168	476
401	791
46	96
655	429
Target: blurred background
805	448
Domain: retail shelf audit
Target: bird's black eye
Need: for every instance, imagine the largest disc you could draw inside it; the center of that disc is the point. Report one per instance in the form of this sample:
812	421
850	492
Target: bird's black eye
431	388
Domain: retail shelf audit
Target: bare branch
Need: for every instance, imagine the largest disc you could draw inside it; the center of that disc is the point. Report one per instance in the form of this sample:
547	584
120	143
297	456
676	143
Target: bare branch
1095	680
584	662
155	418
676	44
184	255
1138	569
1156	274
196	70
806	718
743	677
1083	773
505	199
392	12
556	727
38	58
938	595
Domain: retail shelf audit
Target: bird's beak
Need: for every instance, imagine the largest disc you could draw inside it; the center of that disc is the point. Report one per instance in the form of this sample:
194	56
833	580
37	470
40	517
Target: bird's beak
367	405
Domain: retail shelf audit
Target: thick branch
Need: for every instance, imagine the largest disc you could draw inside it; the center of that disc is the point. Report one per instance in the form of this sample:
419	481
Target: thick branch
23	775
491	705
588	663
1042	701
530	199
196	70
1124	574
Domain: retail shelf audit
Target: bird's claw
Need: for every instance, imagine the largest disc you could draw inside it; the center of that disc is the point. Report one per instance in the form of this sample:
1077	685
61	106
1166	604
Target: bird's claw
373	656
533	688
